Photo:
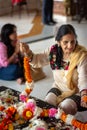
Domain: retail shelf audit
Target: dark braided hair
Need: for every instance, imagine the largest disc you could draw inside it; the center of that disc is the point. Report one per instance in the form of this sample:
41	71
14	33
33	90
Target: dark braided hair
6	31
63	30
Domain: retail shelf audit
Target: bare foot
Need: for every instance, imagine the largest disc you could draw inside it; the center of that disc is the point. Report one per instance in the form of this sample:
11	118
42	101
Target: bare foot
20	80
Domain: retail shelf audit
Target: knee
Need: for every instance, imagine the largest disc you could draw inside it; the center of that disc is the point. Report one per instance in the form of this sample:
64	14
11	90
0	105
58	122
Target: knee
51	99
68	106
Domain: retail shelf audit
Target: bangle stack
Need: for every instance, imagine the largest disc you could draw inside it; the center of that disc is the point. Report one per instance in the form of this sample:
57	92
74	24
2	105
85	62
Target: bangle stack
84	96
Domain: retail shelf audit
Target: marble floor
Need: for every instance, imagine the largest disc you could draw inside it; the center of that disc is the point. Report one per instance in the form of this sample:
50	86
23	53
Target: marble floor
41	87
29	27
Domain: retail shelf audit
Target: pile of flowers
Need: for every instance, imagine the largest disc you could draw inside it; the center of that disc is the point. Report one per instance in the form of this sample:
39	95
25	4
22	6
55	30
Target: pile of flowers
29	111
26	110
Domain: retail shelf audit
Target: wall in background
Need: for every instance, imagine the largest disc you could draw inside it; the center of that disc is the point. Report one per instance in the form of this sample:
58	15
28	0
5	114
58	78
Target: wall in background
59	7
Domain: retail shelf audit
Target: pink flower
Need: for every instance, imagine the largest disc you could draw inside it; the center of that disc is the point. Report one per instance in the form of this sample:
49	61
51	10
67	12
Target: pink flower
52	112
31	105
40	128
23	98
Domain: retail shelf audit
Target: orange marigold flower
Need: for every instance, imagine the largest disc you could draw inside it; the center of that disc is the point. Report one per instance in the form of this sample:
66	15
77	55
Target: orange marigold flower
28	91
45	113
2	108
63	117
11	110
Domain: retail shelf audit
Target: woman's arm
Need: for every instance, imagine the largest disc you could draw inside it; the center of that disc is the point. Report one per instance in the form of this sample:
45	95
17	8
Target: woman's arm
3	55
40	59
4	60
82	81
36	60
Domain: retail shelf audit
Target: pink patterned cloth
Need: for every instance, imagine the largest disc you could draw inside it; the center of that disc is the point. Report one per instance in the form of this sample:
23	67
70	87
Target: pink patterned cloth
3	55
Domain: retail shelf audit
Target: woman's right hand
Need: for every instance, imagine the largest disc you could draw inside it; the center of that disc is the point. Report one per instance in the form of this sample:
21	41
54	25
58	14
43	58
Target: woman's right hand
17	48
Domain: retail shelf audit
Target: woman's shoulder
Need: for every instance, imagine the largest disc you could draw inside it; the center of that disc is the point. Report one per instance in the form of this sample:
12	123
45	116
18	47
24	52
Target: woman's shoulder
54	47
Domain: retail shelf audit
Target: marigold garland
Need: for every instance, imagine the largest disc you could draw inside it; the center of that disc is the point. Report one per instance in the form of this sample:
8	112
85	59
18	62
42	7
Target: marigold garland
27	70
74	122
29	82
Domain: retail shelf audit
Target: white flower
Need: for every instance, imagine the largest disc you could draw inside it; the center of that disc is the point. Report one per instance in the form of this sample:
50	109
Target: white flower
69	119
59	113
37	124
30	85
21	108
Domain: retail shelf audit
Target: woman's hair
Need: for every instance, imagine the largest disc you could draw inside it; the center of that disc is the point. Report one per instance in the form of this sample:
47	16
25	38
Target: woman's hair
6	31
63	30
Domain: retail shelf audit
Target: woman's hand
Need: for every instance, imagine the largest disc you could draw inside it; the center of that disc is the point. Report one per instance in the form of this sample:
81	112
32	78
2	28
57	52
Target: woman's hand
17	48
84	98
84	104
25	50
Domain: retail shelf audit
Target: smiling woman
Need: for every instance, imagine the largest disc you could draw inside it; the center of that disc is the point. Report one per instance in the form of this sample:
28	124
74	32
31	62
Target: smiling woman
70	58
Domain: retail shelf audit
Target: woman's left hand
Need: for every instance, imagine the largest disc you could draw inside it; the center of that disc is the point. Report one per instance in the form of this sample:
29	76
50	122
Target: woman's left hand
84	98
84	104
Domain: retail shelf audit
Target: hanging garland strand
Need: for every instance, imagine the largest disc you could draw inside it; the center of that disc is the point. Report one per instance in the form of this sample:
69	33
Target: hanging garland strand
27	70
24	96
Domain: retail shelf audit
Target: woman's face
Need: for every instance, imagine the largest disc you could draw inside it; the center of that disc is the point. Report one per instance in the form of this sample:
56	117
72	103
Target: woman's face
13	36
67	43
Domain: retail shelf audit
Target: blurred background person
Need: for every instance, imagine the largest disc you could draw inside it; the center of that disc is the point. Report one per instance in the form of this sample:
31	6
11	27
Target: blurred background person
11	60
47	12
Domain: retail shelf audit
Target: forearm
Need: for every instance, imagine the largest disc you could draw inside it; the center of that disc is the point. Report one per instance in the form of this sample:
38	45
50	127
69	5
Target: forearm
84	98
39	60
36	60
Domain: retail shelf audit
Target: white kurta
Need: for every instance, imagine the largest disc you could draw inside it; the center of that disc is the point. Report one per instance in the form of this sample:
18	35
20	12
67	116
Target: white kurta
60	81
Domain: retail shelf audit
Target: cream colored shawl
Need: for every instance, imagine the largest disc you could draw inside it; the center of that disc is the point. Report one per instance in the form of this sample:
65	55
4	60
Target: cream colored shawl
77	56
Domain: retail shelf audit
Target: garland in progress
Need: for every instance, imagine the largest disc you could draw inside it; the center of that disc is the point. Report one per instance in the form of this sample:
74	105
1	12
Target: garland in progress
27	109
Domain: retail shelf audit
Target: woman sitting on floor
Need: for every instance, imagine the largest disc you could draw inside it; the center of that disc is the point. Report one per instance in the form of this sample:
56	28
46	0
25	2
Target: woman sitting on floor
68	61
11	57
11	60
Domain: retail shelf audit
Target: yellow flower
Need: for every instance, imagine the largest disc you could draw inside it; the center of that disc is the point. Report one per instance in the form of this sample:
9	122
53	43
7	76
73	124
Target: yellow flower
27	114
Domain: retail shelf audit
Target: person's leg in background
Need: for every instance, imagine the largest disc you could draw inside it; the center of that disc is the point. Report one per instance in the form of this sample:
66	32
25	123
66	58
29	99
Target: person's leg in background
12	72
50	16
47	12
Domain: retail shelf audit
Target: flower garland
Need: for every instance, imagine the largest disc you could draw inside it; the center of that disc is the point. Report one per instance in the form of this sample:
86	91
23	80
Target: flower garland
29	81
28	110
27	70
